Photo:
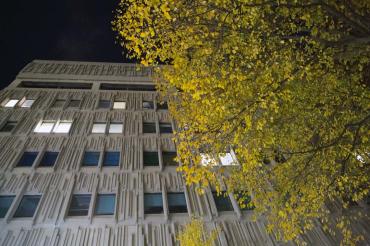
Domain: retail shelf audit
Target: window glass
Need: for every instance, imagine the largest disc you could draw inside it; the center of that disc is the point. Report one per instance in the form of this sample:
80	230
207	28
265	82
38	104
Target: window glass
49	159
27	103
91	158
27	206
162	105
169	158
104	104
9	126
27	159
165	128
149	127
11	103
111	158
54	85
44	127
59	103
63	127
74	103
99	127
227	159
148	105
246	203
5	203
222	202
105	204
153	203
207	160
119	105
115	128
79	205
151	159
177	202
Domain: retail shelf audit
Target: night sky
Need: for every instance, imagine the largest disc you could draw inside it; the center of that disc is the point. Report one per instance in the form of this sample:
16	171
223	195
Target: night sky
77	30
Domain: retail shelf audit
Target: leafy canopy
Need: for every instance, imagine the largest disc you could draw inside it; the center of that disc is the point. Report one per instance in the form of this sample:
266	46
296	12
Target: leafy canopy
284	83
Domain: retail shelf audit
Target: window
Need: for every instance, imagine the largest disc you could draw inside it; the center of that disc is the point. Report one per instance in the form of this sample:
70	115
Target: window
59	103
105	204
246	203
148	105
222	201
91	158
44	126
99	127
149	127
169	158
5	203
11	103
119	105
207	160
27	159
153	203
54	85
227	159
27	103
49	159
9	126
104	104
126	87
74	103
62	127
165	128
27	206
177	202
115	128
79	205
111	158
162	105
151	159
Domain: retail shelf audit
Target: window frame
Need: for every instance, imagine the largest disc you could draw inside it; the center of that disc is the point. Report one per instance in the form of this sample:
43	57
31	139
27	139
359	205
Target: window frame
6	210
96	204
40	163
151	125
22	104
15	215
116	103
23	156
68	214
95	126
153	153
159	194
7	124
224	196
149	103
102	106
173	209
83	161
105	158
164	128
11	103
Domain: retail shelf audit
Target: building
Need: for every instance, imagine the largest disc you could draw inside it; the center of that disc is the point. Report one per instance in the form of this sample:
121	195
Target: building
86	158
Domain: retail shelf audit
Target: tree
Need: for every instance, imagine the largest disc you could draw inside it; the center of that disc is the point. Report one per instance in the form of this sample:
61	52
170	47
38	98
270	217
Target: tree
195	233
285	84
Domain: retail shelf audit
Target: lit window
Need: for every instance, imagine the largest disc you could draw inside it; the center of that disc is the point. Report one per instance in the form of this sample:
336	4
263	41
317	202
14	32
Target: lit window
59	103
162	105
165	127
74	103
27	206
63	127
111	158
9	126
227	159
27	159
153	203
27	103
149	127
222	202
49	159
5	203
99	127
177	202
91	158
115	128
11	103
44	126
119	105
104	104
207	160
105	204
151	159
169	158
79	205
148	105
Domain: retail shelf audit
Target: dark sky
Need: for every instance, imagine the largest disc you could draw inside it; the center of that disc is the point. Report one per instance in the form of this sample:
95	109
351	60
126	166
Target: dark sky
77	30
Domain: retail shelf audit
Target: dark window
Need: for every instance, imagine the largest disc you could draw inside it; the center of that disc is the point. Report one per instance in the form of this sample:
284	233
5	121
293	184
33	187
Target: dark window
162	105
126	87
165	128
27	159
149	127
104	104
79	205
91	158
246	201
148	105
74	103
222	202
54	85
5	203
169	158
59	103
105	204
177	202
153	203
151	159
27	206
9	126
111	158
49	158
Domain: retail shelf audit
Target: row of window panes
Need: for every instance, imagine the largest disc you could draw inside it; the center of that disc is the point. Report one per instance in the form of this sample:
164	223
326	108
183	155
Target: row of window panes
225	159
23	103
